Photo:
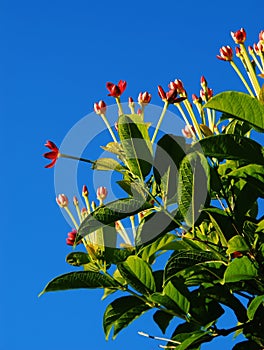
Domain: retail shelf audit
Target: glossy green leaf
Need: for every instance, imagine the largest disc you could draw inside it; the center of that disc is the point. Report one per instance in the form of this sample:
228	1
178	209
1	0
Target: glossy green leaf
237	244
194	338
109	213
179	294
240	105
162	319
170	151
138	273
135	141
164	300
240	269
194	180
232	147
121	312
108	164
77	280
254	305
77	258
156	225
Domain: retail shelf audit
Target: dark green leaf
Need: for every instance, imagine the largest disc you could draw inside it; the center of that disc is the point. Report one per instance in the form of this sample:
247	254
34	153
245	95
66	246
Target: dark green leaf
240	105
77	258
179	294
121	312
77	280
133	133
138	274
162	319
109	213
232	147
194	180
193	338
247	345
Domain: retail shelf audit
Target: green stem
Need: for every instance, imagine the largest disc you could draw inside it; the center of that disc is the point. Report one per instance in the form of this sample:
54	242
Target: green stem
251	70
108	127
235	67
119	105
257	62
72	217
76	158
193	118
165	107
185	119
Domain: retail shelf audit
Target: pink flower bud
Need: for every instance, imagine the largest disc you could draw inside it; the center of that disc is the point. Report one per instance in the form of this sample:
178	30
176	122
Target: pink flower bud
259	48
62	200
71	238
188	131
206	95
101	193
177	84
100	107
84	211
238	52
239	36
226	53
144	98
195	98
75	201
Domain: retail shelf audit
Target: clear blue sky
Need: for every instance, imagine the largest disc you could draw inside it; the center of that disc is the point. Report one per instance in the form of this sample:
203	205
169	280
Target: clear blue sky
56	57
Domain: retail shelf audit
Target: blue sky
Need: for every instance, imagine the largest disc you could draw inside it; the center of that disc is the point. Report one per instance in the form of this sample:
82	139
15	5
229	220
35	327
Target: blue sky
56	58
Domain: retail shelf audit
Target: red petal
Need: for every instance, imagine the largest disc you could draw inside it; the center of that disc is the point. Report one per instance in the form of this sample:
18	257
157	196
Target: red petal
109	86
51	155
51	164
51	145
161	92
122	85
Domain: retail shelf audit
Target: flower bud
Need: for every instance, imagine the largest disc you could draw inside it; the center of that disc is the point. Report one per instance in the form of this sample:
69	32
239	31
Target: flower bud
239	36
116	126
226	53
101	193
261	36
75	201
62	200
85	191
144	98
238	52
203	82
259	48
71	238
195	98
188	131
100	107
177	84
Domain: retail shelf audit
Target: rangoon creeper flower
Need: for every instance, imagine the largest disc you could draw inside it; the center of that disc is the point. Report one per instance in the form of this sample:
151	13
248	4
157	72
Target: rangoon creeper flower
239	36
144	98
188	131
226	53
170	96
261	36
71	238
116	90
62	200
101	193
177	84
206	95
54	154
100	107
259	48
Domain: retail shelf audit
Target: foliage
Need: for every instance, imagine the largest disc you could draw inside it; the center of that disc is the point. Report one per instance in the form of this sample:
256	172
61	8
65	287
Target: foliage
196	202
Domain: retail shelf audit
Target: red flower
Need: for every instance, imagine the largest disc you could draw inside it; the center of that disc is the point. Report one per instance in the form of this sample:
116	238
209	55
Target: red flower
100	107
206	95
170	96
226	53
177	84
116	90
144	98
239	36
71	238
54	154
259	48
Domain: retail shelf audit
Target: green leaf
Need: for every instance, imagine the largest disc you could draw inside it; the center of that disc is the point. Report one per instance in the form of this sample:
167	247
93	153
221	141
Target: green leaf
254	305
138	274
240	269
77	258
177	292
193	338
115	148
162	319
155	225
164	243
237	244
121	312
77	280
133	133
168	303
116	255
194	180
247	345
109	213
237	127
108	164
239	105
232	147
169	153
